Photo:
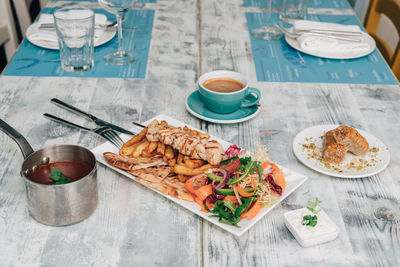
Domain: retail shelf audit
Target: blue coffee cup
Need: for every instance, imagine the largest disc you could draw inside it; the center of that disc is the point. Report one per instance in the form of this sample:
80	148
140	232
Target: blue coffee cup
227	102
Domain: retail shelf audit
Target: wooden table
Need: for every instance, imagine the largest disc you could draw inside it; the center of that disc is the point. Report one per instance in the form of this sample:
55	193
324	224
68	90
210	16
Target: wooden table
134	226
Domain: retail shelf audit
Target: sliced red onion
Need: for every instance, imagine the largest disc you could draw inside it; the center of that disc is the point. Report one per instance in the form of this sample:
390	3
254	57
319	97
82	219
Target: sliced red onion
218	196
237	194
225	179
218	173
212	199
270	179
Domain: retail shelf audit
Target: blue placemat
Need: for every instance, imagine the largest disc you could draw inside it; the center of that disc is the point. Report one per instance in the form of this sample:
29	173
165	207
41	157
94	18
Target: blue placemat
139	1
336	4
31	60
276	61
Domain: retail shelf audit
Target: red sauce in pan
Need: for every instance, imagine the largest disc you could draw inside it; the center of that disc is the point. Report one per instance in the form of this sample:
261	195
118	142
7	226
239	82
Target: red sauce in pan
73	170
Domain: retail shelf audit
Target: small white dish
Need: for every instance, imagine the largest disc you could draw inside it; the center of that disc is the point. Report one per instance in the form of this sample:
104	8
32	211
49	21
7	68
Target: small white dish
104	38
351	166
334	54
307	236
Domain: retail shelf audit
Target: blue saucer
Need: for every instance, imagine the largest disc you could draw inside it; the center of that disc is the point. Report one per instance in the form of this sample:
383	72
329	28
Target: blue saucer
198	109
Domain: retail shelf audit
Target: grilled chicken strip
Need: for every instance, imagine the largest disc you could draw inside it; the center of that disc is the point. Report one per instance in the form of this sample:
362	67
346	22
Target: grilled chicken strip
130	164
194	146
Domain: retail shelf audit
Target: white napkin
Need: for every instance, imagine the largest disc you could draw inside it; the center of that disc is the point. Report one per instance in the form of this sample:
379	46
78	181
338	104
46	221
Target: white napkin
50	35
309	42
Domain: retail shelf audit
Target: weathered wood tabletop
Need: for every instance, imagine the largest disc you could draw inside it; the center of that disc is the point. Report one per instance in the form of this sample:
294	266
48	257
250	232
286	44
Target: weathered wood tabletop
133	226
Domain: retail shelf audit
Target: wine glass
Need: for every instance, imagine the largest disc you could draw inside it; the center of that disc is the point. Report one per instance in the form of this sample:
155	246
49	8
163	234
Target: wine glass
119	7
268	31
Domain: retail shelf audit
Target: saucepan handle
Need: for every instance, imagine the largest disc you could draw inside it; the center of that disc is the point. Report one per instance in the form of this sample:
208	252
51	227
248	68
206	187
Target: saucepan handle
17	137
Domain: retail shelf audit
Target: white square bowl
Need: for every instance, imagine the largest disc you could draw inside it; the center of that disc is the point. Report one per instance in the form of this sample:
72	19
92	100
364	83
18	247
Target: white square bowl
307	236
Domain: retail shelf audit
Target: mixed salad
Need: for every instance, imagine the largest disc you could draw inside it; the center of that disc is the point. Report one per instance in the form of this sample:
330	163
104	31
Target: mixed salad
239	187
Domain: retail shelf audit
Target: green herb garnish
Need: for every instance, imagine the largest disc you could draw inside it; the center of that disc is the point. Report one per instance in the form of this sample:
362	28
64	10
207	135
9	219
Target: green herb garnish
227	212
311	220
58	177
249	167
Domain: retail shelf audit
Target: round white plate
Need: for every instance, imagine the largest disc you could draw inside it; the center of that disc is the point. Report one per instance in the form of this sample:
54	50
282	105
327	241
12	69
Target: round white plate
378	160
366	38
104	38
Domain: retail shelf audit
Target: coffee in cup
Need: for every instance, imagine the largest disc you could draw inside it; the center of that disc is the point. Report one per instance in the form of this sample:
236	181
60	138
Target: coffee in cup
223	85
226	91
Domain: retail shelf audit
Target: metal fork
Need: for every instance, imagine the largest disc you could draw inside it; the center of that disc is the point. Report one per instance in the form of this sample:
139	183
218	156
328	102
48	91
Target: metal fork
105	132
292	34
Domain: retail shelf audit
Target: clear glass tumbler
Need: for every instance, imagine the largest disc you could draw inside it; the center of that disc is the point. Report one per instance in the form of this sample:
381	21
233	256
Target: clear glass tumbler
267	31
75	31
293	10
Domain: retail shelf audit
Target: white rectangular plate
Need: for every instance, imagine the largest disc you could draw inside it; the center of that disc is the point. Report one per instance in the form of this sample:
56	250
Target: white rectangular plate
293	181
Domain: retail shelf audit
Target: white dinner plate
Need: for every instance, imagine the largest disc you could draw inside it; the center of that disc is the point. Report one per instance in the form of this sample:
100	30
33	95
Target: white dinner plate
293	181
366	38
104	38
377	160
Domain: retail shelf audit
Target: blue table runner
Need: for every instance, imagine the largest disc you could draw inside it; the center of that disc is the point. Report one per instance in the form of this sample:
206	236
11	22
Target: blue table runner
276	61
31	60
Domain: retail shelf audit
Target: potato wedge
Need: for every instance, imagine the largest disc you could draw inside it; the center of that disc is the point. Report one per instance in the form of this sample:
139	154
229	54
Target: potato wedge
161	148
171	162
180	159
152	147
194	163
127	151
136	139
146	154
169	152
139	149
179	169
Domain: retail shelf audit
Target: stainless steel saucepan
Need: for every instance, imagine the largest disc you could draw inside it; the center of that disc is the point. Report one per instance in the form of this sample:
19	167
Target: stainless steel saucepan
57	205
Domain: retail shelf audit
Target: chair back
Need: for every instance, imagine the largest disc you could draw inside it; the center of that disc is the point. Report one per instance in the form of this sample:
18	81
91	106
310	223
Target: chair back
23	16
390	8
8	35
43	3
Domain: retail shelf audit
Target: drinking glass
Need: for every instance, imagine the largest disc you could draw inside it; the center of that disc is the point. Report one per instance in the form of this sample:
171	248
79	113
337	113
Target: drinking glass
75	31
293	10
268	31
119	8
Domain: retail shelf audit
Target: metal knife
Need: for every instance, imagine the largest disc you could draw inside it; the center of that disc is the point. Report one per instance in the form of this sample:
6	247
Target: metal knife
51	26
96	120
